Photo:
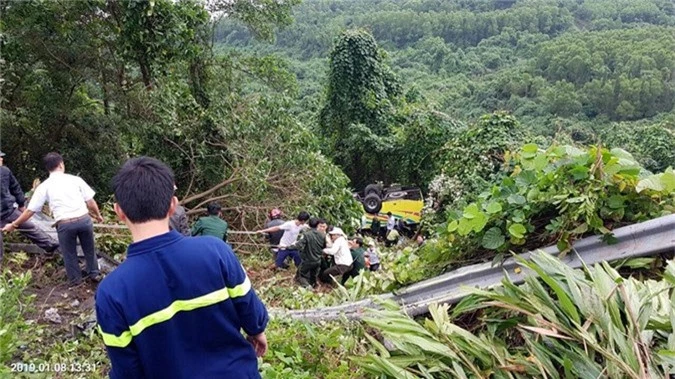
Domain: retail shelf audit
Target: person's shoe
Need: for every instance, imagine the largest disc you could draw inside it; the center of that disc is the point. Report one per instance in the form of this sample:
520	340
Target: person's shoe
96	277
75	283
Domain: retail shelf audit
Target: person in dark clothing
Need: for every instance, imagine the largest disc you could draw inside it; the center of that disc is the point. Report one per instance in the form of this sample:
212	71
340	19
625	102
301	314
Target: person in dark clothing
176	307
179	219
11	193
310	245
275	219
375	226
211	225
358	256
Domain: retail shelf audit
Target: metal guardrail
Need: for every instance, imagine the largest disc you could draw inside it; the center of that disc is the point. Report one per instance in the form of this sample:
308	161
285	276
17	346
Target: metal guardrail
638	240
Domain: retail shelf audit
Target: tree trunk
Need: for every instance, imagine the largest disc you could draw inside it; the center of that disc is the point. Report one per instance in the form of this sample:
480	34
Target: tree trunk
145	72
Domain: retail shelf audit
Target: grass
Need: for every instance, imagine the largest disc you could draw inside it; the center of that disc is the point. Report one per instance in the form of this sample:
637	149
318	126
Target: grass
72	349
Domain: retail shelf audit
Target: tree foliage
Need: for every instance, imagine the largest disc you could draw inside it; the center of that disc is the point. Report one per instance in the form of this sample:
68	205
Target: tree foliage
594	60
552	196
103	80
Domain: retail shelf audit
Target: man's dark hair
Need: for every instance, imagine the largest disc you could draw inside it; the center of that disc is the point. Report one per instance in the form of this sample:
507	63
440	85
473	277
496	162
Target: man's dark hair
52	161
143	188
213	209
358	240
388	213
303	216
314	222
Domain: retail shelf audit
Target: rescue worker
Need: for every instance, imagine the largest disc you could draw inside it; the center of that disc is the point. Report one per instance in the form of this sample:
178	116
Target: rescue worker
11	194
391	222
179	219
340	252
176	306
310	245
70	199
392	237
275	219
375	226
211	225
291	230
358	258
372	258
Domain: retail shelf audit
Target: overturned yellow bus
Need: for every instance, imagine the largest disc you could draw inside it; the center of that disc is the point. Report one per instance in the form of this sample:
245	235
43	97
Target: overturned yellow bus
404	203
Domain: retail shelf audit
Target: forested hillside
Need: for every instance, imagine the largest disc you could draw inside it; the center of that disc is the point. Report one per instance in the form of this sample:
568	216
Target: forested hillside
553	64
525	123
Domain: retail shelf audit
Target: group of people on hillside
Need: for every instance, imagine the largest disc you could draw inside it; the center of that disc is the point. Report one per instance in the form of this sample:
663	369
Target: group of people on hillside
319	251
176	306
390	233
71	201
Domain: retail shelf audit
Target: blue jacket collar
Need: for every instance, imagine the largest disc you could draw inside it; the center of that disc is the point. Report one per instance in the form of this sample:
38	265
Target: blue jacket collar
153	243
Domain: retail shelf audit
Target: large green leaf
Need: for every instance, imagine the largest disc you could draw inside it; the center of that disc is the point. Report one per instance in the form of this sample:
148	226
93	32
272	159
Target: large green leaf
493	239
493	207
517	230
529	150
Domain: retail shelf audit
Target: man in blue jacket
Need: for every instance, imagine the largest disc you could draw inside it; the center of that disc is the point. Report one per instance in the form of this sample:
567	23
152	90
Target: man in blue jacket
176	306
10	194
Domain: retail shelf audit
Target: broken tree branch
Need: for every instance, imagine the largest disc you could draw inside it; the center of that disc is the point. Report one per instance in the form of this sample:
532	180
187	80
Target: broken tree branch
233	178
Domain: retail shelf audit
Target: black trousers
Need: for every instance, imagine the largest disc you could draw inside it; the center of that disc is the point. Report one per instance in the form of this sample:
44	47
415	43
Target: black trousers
69	233
335	270
307	273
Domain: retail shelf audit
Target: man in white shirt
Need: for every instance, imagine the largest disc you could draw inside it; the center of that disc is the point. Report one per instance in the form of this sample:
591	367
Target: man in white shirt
291	230
391	222
341	253
70	200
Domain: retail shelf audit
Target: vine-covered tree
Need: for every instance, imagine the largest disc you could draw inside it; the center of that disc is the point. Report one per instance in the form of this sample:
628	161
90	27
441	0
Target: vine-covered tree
361	94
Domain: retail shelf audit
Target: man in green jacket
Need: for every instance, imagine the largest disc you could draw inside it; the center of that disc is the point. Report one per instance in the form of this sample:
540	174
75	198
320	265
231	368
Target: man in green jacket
310	245
211	225
358	255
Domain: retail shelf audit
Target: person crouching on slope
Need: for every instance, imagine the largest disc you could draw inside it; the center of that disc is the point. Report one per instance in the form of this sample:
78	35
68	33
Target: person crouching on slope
310	245
176	306
211	225
340	251
358	259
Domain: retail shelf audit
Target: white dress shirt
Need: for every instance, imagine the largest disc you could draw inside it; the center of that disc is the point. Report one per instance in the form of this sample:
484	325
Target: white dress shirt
340	250
391	223
291	231
66	195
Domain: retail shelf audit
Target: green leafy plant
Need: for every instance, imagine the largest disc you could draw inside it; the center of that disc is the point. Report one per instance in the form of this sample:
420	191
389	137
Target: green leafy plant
302	350
586	323
556	195
14	305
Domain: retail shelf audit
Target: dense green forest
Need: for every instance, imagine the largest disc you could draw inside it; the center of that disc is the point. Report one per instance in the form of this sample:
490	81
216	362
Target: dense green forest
582	60
578	67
